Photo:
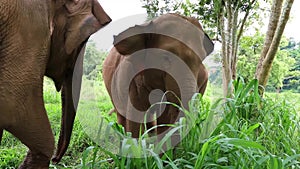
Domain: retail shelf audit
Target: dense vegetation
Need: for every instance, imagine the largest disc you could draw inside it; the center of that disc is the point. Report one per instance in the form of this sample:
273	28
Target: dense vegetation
242	132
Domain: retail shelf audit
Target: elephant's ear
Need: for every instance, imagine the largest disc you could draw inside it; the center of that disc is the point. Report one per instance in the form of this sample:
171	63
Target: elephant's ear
208	44
133	39
81	26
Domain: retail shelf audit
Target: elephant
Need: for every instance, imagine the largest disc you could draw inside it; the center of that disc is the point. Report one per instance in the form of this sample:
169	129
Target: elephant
37	39
141	67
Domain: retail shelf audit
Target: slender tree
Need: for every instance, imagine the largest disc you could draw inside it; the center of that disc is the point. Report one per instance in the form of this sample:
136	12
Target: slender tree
277	22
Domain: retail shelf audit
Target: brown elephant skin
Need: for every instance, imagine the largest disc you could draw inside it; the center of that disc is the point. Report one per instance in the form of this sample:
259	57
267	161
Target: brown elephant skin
37	38
187	42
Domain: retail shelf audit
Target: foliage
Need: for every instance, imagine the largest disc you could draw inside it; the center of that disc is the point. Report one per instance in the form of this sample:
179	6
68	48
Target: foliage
292	80
208	11
12	153
93	60
288	97
280	69
249	53
249	50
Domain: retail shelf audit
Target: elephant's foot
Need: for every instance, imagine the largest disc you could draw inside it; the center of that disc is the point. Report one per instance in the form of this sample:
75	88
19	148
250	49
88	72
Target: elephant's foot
35	161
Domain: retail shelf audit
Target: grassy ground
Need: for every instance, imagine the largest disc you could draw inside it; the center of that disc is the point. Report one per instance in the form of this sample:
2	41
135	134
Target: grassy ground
245	132
288	98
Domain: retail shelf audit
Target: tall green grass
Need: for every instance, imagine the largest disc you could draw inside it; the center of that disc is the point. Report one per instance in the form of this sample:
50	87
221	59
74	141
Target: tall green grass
245	131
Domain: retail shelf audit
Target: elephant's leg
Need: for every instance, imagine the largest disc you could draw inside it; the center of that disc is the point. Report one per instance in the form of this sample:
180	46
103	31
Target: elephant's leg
35	132
134	121
133	127
202	79
170	115
136	106
38	137
121	119
167	117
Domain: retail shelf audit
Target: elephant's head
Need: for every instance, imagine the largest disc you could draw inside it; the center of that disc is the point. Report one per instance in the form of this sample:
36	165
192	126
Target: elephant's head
166	32
180	35
72	24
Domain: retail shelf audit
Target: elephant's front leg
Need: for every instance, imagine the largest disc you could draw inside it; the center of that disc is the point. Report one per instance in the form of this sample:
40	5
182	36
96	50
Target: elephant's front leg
136	106
170	115
32	128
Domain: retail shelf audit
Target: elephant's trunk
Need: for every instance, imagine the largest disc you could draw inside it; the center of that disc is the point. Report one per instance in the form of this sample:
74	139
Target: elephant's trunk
70	97
68	116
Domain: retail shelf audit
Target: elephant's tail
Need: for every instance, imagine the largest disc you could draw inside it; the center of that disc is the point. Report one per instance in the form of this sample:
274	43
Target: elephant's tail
111	111
1	133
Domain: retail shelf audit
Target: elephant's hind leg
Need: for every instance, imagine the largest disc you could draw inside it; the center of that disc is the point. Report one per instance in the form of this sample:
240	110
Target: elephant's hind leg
35	132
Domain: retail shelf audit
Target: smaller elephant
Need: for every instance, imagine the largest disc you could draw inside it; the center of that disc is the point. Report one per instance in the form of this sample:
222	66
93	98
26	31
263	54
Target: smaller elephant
159	60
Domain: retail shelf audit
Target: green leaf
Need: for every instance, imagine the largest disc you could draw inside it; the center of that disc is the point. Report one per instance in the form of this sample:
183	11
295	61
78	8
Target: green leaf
242	143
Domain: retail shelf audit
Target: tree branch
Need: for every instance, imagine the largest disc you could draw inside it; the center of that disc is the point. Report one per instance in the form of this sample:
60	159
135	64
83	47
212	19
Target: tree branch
241	29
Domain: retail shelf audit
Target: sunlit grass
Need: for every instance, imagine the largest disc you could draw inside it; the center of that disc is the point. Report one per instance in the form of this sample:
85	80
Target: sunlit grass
241	132
250	132
290	98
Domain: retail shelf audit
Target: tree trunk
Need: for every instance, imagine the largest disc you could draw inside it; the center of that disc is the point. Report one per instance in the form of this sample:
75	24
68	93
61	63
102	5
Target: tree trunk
225	55
234	42
264	71
273	22
231	32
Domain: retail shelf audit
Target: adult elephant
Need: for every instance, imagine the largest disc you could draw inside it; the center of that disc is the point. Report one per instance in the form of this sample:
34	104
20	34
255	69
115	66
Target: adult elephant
164	55
40	38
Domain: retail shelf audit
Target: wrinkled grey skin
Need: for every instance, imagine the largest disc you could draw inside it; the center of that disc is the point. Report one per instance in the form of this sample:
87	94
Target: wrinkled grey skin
192	47
37	38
